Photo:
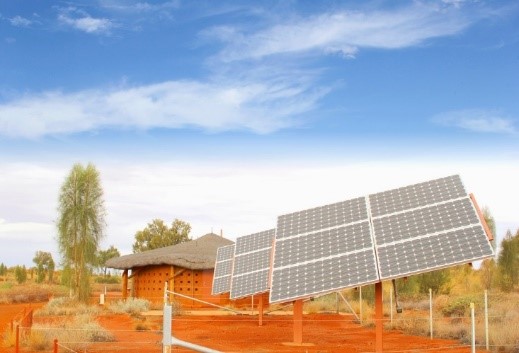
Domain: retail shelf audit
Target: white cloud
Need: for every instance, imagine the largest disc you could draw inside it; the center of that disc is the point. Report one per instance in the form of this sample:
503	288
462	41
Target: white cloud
19	21
344	32
139	6
82	21
253	105
479	120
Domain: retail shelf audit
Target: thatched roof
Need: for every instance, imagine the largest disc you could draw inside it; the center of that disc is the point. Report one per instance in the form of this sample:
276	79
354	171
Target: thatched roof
198	254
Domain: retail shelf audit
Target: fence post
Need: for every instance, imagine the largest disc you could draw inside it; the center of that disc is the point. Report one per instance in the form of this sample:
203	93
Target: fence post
430	313
473	323
17	340
55	346
487	345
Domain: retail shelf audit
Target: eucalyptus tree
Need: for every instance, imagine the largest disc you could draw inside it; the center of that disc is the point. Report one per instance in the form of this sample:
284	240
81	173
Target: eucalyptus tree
157	234
80	225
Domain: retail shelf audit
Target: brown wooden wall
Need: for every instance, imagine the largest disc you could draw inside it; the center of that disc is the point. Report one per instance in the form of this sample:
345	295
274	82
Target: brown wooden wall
148	283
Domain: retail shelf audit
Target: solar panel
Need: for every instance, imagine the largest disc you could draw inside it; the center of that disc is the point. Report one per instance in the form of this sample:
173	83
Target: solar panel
426	226
252	264
223	269
396	233
323	249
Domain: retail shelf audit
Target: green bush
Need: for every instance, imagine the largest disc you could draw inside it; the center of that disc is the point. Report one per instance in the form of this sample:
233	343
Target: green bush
459	307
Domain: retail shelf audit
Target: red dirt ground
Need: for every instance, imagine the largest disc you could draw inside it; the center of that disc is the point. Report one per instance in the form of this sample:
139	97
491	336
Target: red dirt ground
329	333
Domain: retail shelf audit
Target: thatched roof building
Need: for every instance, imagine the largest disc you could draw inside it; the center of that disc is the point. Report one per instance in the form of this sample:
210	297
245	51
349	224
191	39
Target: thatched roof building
187	268
197	254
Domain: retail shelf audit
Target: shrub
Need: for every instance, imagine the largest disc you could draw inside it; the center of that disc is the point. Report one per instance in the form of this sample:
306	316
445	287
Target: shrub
132	306
66	306
458	307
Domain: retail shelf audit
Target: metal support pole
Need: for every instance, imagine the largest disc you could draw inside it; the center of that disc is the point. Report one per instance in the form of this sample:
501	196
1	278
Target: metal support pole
192	346
260	310
298	321
167	316
430	313
55	349
336	302
473	323
487	344
391	304
379	316
360	305
348	304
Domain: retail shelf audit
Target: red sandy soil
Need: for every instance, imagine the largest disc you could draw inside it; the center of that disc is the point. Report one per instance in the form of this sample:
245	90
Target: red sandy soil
326	333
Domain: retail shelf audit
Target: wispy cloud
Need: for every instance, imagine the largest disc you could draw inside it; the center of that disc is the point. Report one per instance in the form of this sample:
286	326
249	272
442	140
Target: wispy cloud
479	120
256	106
82	21
139	6
19	21
344	32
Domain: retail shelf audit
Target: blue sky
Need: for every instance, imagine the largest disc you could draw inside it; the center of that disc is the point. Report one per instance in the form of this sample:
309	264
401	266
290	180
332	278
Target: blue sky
227	114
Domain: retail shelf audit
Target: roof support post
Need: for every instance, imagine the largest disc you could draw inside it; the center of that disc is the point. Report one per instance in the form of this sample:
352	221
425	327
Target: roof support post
378	317
125	284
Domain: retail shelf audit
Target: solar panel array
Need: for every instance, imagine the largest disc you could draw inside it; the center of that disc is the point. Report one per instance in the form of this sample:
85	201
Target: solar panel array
323	249
252	259
223	269
425	227
396	233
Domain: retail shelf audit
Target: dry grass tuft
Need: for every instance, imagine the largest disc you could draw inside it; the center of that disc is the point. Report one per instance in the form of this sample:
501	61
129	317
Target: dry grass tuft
75	334
66	307
132	306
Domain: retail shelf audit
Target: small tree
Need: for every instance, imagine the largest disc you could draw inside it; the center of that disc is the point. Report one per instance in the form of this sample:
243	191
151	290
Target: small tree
105	255
488	273
508	261
158	235
20	273
80	225
3	269
44	266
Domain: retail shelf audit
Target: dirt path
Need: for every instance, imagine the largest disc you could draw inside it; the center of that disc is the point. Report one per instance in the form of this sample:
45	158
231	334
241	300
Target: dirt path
326	333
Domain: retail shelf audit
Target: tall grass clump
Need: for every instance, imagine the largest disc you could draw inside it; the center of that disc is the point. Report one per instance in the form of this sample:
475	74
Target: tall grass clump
66	306
76	334
132	306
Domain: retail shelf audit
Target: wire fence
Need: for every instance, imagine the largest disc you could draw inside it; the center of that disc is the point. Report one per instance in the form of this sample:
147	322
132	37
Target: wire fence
497	331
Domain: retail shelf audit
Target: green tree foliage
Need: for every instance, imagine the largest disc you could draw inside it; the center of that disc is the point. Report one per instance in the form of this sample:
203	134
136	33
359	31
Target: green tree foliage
508	261
488	273
44	266
20	273
158	235
3	269
436	280
491	223
80	225
105	255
